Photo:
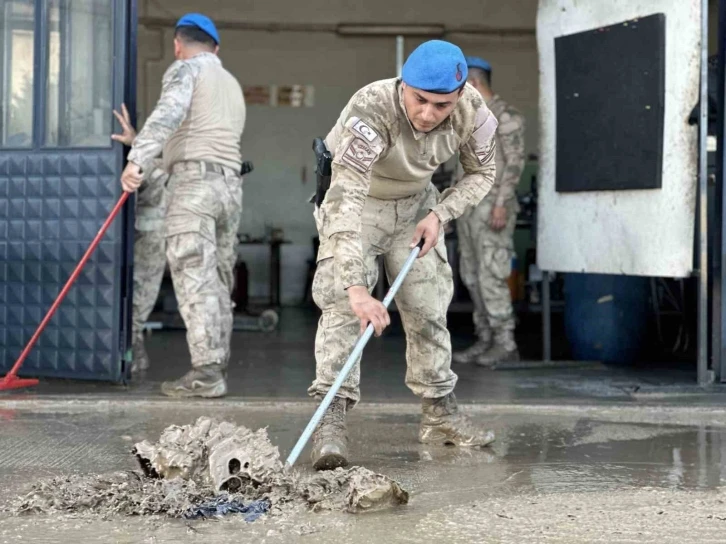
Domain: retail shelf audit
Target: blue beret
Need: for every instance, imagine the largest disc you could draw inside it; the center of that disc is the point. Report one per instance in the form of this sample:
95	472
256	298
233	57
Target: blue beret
476	62
435	66
200	21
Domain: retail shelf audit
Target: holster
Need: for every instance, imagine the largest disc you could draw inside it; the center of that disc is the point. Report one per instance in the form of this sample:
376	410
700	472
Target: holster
246	168
323	170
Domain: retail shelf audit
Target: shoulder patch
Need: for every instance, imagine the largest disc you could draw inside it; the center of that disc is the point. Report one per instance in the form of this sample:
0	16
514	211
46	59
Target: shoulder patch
359	155
361	128
483	135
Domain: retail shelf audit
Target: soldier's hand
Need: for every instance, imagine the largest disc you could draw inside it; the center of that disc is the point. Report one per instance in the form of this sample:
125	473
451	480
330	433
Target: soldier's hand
428	229
368	309
129	134
498	218
131	177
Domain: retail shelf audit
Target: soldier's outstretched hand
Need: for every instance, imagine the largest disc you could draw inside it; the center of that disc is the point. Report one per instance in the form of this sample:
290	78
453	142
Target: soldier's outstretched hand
124	119
368	309
428	229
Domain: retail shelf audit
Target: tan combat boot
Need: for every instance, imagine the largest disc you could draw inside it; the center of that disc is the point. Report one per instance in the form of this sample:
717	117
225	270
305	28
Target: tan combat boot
208	381
473	352
442	423
504	350
330	439
497	354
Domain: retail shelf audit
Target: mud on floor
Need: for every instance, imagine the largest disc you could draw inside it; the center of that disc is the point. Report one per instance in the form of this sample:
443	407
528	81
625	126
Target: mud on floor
193	464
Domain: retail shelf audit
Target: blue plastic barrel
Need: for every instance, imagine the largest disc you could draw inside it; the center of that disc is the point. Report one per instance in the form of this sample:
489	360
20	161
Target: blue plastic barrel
606	316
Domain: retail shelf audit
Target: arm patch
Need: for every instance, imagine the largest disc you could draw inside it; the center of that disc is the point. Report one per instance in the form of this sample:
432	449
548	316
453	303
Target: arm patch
361	128
482	136
359	155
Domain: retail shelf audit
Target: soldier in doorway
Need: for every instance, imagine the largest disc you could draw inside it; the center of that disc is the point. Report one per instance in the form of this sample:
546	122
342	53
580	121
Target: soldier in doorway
198	123
149	244
486	234
386	144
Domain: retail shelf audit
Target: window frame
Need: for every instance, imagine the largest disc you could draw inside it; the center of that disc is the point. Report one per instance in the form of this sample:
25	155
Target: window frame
6	63
41	63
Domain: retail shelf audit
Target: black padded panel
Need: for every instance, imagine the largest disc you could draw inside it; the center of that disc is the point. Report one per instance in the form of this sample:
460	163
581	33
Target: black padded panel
610	101
51	207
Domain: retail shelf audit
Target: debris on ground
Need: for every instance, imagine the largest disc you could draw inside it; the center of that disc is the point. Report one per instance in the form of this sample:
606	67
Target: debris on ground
221	506
354	490
223	455
210	469
122	493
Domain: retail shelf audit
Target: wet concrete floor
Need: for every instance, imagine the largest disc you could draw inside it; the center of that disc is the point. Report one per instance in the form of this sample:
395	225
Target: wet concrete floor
281	365
619	474
586	453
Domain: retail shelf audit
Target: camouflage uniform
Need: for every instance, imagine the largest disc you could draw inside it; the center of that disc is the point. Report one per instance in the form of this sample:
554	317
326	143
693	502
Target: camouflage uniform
201	237
486	254
380	190
198	123
386	230
149	255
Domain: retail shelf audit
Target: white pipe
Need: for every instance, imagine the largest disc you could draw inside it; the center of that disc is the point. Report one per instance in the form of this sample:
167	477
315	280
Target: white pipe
399	55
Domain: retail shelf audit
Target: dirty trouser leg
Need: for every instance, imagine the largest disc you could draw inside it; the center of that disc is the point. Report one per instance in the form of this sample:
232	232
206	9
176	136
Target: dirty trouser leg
495	267
149	257
227	227
423	301
469	259
338	330
149	264
338	327
149	245
192	253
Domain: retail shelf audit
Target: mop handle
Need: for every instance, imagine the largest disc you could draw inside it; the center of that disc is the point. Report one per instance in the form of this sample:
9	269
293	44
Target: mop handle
362	341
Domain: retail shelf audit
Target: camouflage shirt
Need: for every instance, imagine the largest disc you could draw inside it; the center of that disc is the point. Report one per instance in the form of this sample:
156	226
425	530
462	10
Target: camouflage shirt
200	115
510	150
377	152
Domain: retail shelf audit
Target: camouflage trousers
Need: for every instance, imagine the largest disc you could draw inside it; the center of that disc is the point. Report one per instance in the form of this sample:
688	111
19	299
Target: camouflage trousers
149	249
149	265
485	265
386	230
201	240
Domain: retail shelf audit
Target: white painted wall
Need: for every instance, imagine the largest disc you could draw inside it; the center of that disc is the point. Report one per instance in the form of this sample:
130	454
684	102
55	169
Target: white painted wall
278	140
644	232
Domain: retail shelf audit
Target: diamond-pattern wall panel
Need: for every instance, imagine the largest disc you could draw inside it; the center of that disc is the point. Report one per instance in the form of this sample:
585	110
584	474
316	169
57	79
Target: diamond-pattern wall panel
51	207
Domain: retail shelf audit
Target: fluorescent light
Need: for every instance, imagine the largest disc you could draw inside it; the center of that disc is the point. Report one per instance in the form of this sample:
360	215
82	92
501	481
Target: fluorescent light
348	29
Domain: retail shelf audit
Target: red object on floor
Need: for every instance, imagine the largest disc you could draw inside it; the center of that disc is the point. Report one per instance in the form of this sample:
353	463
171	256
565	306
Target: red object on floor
11	381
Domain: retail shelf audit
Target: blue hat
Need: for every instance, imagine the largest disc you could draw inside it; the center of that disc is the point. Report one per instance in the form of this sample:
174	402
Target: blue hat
202	22
476	62
435	66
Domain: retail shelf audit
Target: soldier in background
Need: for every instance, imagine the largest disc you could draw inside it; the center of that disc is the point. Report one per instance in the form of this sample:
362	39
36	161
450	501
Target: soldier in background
486	234
149	244
198	123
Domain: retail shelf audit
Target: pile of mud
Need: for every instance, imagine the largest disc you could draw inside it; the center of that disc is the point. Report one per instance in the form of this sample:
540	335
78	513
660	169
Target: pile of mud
192	464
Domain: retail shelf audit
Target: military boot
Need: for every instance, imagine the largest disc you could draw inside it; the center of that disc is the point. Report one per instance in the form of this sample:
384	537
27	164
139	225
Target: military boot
207	381
497	354
473	352
330	439
503	350
442	423
140	359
